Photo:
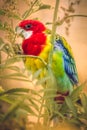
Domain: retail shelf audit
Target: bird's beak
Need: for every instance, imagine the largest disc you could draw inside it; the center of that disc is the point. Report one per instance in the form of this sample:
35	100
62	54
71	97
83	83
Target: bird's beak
19	30
25	34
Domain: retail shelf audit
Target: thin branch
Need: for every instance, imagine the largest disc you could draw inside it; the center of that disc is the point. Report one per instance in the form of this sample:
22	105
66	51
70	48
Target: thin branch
27	56
30	9
32	56
40	111
69	16
13	78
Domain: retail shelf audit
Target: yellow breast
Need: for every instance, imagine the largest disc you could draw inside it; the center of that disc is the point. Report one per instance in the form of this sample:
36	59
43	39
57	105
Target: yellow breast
36	63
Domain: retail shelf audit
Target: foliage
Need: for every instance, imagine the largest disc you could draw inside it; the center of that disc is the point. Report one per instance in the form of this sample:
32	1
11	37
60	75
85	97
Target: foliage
23	101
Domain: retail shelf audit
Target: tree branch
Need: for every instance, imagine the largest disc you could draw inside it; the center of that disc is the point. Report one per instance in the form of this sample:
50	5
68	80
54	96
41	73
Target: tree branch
69	16
26	56
25	15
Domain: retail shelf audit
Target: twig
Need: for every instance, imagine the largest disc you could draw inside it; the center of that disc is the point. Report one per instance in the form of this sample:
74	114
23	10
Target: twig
69	16
30	9
32	56
26	56
40	111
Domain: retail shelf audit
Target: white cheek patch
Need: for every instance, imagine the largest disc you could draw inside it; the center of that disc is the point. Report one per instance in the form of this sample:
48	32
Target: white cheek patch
27	34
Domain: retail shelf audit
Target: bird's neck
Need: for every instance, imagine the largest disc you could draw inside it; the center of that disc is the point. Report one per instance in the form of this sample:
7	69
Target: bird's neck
35	44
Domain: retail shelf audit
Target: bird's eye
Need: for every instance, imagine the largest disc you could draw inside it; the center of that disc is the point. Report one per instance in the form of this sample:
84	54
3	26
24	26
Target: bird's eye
28	26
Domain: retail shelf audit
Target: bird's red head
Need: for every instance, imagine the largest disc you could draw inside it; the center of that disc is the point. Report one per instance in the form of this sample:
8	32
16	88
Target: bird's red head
34	38
32	25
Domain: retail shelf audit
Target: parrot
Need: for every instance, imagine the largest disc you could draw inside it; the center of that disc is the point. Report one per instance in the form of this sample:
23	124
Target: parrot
37	42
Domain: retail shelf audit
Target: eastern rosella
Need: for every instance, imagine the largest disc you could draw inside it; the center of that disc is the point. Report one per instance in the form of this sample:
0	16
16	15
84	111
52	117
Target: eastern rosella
37	43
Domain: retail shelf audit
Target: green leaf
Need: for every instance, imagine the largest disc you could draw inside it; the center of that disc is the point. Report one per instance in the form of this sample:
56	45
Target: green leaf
12	110
15	68
5	27
16	78
36	74
26	14
64	108
49	96
12	60
1	41
71	106
59	114
2	12
28	108
1	116
15	16
84	102
13	75
35	99
1	26
34	104
1	89
6	99
10	14
74	121
5	48
76	93
45	6
2	46
83	120
15	90
53	90
43	80
34	92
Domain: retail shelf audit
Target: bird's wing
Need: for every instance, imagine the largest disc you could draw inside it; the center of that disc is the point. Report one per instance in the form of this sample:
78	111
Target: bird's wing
69	63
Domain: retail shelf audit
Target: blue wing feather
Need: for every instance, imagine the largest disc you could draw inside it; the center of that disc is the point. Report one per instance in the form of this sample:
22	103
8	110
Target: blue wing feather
69	63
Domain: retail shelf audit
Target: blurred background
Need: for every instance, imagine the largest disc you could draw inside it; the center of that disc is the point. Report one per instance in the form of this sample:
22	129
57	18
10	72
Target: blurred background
75	33
73	29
